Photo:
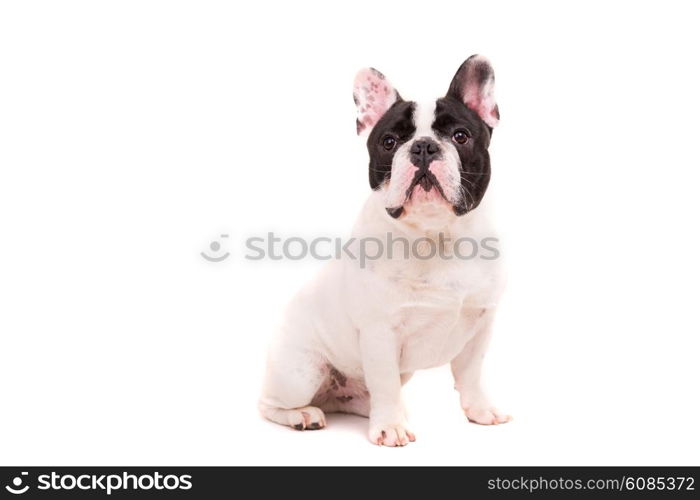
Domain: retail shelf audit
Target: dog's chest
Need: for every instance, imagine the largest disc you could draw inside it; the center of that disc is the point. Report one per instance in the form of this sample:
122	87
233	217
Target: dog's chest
435	314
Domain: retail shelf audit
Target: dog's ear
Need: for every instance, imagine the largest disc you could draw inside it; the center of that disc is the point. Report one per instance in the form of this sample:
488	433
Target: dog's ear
473	84
373	95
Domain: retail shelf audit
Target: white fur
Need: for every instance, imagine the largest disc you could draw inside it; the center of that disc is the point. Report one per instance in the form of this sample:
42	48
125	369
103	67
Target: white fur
377	325
423	118
402	172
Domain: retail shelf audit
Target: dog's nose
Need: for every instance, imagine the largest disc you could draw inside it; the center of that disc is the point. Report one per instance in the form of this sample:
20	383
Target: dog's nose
423	151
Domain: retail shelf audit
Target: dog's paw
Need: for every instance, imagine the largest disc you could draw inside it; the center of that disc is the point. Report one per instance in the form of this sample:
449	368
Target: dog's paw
486	415
390	435
307	418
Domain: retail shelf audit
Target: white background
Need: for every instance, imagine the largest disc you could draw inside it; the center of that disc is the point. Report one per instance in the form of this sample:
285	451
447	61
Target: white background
132	134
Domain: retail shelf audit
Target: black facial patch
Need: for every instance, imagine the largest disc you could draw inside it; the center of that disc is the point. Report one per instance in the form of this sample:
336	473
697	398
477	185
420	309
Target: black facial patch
397	122
451	115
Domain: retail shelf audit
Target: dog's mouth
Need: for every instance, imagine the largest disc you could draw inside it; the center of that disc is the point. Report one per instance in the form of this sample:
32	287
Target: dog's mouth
427	181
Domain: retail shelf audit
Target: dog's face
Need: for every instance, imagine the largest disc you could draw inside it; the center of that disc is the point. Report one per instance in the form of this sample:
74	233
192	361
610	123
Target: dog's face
429	155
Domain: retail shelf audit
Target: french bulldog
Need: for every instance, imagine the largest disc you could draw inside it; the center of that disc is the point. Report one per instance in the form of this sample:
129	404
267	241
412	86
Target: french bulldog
352	337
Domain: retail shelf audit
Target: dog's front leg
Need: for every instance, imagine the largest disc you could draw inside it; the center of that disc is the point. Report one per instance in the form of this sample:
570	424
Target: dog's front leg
380	363
466	369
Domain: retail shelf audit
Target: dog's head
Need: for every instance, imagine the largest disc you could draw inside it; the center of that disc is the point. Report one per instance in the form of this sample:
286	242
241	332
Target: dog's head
429	156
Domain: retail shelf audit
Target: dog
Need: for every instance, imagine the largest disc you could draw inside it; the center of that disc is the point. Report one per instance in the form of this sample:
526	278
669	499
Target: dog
351	338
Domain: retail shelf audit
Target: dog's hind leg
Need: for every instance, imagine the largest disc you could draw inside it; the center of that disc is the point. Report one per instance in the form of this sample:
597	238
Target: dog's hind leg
293	377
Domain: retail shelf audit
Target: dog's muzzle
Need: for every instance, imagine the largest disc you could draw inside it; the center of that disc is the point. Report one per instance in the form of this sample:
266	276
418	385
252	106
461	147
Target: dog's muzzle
422	153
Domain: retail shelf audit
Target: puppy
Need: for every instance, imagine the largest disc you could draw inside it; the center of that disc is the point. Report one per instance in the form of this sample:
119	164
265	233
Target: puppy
355	335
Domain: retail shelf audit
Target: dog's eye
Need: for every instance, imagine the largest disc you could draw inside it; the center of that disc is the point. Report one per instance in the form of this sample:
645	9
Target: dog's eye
460	136
389	143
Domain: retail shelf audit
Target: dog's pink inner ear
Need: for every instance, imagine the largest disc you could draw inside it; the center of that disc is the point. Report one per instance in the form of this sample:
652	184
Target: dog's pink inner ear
373	95
474	84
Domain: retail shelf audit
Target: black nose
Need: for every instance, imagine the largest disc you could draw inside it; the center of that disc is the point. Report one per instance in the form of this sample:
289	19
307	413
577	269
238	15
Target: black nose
423	151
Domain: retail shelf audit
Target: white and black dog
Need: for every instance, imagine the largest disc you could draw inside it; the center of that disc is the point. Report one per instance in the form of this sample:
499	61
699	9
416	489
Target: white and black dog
353	336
